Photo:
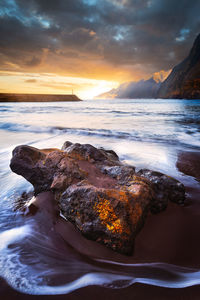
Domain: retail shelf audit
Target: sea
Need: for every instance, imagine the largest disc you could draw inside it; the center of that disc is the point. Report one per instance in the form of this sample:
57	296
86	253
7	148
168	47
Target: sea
146	133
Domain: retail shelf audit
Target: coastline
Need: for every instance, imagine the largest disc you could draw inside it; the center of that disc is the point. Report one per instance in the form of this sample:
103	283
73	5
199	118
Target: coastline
160	231
174	241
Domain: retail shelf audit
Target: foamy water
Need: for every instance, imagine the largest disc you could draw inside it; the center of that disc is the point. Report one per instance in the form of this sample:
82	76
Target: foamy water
145	133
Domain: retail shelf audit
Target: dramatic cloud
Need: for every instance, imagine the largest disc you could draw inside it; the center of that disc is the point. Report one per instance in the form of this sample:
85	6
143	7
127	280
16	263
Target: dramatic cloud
103	39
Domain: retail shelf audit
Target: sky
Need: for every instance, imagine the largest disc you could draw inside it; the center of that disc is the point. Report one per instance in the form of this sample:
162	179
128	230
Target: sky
91	46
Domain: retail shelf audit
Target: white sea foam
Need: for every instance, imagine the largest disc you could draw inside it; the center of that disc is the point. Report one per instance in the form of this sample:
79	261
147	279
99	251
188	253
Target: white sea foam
9	236
32	279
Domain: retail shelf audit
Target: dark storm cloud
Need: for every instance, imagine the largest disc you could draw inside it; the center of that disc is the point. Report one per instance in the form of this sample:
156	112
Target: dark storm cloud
155	34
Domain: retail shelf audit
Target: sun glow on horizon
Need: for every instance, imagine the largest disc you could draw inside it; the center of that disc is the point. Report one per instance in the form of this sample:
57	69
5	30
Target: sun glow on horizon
49	83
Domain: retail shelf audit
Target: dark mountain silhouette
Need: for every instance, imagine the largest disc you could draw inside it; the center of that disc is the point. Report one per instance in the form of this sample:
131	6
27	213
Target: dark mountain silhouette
182	83
184	80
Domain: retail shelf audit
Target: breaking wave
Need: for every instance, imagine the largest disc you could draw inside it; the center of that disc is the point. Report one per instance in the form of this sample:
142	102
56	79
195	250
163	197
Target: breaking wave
185	137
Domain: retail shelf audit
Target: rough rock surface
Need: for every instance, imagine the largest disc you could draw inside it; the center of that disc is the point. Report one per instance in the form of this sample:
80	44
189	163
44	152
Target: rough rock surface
105	199
165	189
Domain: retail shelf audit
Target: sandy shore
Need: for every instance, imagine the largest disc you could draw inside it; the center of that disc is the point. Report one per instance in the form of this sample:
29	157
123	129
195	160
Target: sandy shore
189	163
171	236
137	291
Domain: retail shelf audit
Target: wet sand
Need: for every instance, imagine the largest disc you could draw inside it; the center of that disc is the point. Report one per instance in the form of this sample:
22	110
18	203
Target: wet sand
171	236
138	292
189	163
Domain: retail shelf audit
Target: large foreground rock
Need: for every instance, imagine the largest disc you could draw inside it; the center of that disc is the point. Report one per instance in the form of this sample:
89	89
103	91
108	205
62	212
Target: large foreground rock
105	199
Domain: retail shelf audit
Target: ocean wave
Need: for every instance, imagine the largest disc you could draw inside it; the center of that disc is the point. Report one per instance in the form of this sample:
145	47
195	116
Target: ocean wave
31	272
50	109
184	137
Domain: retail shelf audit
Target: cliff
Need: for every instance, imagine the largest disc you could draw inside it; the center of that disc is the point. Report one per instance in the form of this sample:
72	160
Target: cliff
36	98
184	80
182	83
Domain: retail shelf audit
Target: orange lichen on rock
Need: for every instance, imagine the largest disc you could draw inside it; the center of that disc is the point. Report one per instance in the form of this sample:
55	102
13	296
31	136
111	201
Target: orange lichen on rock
105	207
107	215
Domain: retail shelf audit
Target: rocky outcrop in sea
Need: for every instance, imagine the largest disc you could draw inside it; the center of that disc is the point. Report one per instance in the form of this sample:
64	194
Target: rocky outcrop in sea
105	199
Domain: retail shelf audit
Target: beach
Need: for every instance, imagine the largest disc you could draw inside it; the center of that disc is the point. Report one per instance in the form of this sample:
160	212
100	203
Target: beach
44	255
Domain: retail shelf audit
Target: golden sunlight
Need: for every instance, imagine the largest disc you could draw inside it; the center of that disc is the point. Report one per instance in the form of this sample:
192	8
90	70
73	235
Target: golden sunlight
49	83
